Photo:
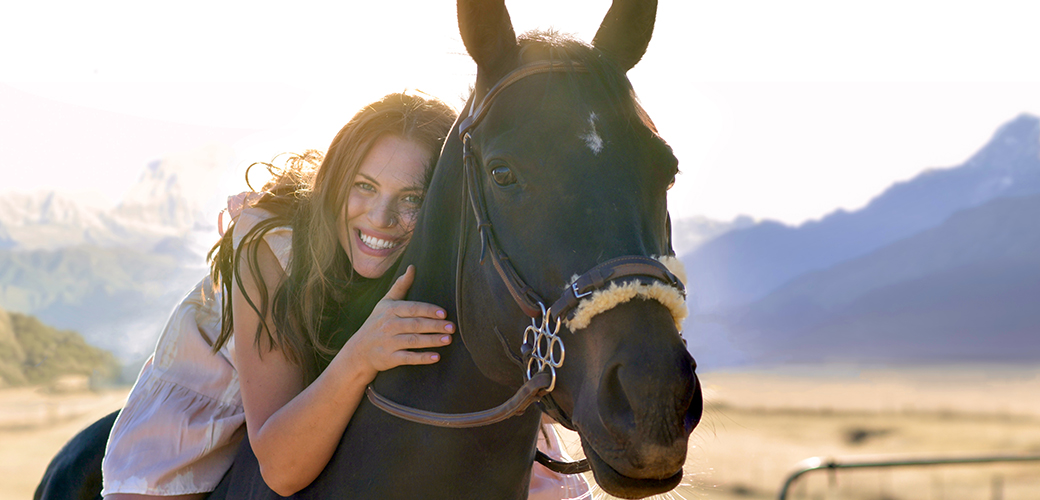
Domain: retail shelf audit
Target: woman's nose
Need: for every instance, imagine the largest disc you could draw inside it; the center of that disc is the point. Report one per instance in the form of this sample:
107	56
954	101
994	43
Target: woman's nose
383	214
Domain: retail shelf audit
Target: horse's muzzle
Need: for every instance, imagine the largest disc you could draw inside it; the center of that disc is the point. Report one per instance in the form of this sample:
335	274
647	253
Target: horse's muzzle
636	420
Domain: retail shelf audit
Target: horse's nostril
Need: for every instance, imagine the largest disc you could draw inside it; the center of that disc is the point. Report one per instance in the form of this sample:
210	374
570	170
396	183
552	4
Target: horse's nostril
615	408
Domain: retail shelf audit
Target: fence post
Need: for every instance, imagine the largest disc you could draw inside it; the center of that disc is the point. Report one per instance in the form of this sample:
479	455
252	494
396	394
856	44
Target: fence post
997	487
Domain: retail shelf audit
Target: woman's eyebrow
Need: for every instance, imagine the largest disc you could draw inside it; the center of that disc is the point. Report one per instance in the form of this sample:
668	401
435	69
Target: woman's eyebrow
417	187
368	178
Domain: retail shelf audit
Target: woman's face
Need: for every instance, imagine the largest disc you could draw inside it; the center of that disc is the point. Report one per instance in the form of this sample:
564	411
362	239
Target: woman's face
377	221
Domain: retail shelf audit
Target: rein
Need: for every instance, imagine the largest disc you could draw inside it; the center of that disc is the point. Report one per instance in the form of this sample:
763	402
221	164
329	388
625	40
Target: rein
542	351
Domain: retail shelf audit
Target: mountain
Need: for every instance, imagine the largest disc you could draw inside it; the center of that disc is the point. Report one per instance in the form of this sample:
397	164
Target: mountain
113	274
742	266
968	289
688	233
173	198
6	241
178	191
46	220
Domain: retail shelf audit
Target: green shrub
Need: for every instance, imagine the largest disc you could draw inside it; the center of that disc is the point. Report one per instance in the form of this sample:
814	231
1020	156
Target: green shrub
34	353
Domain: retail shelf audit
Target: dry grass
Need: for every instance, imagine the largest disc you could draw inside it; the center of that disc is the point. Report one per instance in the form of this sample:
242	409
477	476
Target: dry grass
757	426
34	425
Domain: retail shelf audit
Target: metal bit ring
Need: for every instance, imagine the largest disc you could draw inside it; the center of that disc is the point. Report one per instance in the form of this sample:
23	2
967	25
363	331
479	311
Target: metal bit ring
543	344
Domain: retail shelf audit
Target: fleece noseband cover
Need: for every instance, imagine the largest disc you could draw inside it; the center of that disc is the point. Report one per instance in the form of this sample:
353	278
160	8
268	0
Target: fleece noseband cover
614	294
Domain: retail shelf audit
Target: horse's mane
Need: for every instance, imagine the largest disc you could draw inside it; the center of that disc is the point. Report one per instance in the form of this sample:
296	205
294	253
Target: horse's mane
555	46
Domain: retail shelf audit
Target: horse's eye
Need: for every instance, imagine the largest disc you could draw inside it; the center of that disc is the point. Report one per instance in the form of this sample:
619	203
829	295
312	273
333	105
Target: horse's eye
670	183
503	176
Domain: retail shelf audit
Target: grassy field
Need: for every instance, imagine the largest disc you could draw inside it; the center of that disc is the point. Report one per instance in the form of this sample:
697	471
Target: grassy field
757	426
34	425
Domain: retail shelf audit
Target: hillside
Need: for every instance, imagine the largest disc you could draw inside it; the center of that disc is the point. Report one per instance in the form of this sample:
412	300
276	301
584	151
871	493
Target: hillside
967	289
118	298
34	353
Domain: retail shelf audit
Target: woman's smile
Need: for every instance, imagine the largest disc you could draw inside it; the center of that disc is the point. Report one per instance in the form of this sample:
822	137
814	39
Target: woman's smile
377	245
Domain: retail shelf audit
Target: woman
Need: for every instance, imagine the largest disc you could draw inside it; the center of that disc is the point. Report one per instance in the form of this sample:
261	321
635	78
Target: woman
299	330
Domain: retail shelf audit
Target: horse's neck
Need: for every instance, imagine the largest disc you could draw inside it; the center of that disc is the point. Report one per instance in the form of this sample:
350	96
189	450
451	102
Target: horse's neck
434	251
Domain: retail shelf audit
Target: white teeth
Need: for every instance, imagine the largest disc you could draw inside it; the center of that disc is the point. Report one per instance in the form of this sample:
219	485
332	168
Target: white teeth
376	243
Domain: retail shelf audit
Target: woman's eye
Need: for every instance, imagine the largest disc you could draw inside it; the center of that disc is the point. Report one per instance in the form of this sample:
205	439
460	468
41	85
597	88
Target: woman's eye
503	176
413	199
364	186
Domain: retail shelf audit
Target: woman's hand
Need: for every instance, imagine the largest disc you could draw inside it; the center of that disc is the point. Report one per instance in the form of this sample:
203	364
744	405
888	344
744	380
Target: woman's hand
396	327
294	427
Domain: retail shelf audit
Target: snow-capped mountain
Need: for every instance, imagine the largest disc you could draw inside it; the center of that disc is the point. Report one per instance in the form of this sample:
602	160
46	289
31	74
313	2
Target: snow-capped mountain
174	197
179	191
18	209
50	220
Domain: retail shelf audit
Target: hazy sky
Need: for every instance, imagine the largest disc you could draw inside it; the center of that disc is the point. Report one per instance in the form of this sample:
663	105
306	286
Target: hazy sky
783	110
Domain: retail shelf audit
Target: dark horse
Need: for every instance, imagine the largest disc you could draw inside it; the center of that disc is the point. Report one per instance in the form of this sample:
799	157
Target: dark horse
557	171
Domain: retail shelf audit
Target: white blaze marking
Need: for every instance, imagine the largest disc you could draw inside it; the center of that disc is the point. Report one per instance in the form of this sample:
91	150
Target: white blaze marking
592	138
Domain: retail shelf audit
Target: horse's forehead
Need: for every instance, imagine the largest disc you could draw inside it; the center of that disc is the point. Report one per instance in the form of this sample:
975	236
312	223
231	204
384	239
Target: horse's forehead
561	117
591	137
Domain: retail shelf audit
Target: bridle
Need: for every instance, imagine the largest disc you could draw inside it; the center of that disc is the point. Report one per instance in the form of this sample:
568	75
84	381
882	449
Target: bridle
542	351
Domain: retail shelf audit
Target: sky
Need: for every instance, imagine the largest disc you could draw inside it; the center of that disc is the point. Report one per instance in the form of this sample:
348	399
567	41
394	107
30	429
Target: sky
783	110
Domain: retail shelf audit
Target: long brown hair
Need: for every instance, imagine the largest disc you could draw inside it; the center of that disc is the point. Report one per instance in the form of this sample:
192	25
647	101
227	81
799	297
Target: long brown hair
309	199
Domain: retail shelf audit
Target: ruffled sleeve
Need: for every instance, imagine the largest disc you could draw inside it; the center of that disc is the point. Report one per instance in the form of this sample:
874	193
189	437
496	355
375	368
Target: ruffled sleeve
279	238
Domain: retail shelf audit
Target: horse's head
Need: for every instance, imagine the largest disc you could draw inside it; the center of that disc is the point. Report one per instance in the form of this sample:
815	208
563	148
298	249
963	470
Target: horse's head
566	172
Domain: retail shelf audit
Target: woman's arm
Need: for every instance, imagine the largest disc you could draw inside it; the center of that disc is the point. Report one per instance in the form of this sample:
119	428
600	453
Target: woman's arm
294	428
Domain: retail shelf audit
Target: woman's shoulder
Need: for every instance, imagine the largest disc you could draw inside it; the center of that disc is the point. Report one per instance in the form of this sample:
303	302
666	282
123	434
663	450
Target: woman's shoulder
246	220
279	239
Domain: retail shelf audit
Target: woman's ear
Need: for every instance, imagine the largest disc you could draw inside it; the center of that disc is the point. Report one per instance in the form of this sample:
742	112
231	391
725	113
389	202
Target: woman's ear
626	30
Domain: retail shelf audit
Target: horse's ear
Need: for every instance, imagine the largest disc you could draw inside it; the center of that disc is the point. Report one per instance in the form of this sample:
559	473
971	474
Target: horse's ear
626	31
488	35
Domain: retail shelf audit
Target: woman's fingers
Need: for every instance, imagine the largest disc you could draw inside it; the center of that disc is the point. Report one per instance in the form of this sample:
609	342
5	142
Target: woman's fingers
402	349
409	309
400	287
407	326
394	299
420	325
415	358
422	341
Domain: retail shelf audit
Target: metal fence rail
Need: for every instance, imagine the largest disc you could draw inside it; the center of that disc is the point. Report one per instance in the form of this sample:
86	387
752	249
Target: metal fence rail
832	464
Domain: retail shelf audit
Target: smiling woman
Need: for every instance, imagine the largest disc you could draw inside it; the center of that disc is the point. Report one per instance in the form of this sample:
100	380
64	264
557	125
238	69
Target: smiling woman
264	350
